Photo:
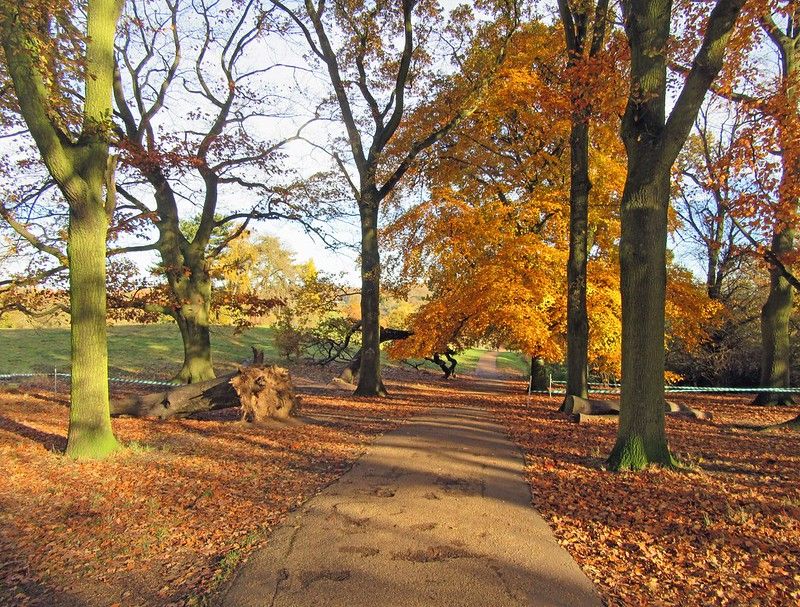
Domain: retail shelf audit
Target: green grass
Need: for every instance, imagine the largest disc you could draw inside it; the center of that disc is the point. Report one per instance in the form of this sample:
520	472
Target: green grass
147	350
467	361
514	362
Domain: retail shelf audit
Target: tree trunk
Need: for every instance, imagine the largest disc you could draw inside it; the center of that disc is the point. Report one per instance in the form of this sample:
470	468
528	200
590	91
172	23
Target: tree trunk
641	439
369	378
180	401
260	385
775	315
353	370
194	293
448	366
539	379
652	143
79	169
90	434
577	318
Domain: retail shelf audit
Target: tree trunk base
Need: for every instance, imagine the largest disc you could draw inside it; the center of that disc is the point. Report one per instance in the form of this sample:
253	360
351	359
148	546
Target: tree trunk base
635	452
379	390
195	374
92	445
772	399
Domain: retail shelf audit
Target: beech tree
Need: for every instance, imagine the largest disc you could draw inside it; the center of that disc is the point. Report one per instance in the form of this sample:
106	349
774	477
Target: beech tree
76	154
378	57
491	240
585	29
653	141
763	162
204	55
775	314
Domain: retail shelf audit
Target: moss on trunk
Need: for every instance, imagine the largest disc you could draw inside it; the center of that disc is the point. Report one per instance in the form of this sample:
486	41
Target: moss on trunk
90	434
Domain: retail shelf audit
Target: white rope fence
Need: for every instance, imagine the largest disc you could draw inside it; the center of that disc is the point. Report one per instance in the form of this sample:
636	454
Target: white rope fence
56	374
555	389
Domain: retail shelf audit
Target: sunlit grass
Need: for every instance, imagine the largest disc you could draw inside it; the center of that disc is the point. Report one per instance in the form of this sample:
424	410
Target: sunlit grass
151	350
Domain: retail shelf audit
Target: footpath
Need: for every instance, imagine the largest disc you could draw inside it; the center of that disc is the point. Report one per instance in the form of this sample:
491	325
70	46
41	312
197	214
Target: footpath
436	513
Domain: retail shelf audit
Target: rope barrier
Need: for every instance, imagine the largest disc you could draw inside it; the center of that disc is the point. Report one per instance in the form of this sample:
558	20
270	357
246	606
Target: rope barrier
685	390
118	380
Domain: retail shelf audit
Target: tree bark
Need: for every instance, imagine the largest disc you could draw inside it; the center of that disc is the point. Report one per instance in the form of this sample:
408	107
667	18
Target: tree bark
775	315
448	367
585	27
577	317
777	310
641	438
193	320
180	401
539	379
79	168
652	143
89	434
369	376
353	369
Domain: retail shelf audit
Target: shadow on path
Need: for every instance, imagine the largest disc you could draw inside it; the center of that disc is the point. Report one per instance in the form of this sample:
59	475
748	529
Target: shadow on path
437	512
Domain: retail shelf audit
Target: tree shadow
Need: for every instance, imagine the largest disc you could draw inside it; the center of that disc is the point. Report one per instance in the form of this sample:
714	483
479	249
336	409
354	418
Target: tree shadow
51	442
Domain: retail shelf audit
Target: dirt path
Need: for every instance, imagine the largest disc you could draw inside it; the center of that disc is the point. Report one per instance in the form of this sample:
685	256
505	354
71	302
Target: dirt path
436	513
487	366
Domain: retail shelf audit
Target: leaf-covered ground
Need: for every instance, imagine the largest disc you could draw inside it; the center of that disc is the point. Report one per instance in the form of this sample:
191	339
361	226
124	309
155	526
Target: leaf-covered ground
724	532
167	520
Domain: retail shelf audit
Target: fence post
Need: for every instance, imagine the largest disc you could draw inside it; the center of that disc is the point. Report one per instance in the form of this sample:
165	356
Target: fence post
55	379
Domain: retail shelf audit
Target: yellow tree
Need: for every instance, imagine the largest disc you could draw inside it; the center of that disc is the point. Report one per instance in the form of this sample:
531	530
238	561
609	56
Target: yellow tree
492	240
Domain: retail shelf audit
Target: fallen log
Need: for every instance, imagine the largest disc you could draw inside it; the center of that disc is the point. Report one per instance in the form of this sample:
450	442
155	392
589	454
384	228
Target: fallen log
268	391
576	406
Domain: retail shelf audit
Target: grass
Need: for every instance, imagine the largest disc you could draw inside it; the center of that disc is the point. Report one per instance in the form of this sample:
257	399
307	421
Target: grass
514	362
467	360
153	350
156	351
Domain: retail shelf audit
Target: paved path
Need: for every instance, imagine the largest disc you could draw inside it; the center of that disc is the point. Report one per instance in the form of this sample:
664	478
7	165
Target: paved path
436	513
486	366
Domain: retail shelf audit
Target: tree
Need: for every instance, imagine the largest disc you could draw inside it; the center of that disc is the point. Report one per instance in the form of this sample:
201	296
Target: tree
213	154
763	164
78	160
491	240
383	58
585	26
775	314
652	142
706	192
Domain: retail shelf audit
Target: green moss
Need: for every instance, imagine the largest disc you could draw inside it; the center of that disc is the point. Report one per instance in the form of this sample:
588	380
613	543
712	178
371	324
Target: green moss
89	445
634	453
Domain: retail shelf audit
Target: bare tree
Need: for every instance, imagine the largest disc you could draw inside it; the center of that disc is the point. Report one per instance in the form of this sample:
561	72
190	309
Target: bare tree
376	56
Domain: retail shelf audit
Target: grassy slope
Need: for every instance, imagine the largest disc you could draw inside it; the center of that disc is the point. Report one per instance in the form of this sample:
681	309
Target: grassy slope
155	350
151	350
514	362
